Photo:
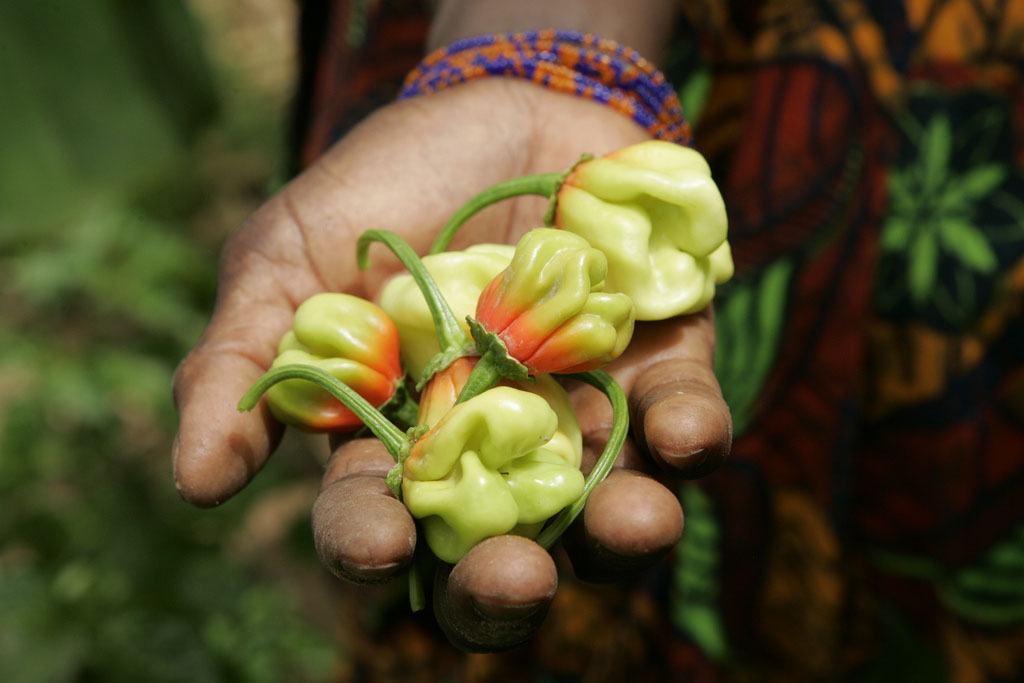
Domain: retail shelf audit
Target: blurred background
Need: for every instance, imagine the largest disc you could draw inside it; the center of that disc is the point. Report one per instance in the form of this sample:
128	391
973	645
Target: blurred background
134	136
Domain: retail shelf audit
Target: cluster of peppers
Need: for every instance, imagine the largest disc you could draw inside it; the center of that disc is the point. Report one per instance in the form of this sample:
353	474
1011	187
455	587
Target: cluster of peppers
493	446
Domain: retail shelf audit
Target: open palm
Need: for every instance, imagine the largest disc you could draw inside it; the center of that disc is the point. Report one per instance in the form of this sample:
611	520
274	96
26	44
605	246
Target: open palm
407	168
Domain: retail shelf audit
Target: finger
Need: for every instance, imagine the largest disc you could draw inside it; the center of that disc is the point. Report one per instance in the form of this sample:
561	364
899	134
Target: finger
630	522
218	449
362	532
680	417
356	457
677	412
594	413
497	596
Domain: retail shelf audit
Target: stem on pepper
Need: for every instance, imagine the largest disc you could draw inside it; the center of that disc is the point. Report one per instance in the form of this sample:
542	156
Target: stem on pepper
543	184
451	338
393	438
620	429
485	375
495	363
423	564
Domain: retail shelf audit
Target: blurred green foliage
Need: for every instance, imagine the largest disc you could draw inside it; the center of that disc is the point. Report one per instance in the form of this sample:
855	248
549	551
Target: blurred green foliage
118	155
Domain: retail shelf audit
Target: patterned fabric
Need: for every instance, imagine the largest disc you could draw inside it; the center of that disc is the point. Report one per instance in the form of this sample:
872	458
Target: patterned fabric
566	61
354	55
870	522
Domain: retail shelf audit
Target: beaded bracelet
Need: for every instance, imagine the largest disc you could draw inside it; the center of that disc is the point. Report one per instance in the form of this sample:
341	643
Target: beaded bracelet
566	61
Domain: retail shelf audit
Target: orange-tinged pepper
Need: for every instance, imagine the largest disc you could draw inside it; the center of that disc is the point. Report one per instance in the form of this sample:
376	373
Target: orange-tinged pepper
651	208
353	340
548	308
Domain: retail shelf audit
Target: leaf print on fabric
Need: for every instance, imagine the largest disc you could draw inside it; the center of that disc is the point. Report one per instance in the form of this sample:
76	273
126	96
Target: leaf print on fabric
924	257
932	208
957	234
749	316
951	218
990	591
694	592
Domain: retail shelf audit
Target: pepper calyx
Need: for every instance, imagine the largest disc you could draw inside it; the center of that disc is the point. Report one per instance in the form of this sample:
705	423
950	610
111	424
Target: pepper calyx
394	480
495	363
490	342
442	360
395	474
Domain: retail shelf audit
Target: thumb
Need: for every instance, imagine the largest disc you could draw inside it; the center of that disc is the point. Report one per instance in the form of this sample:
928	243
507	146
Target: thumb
218	449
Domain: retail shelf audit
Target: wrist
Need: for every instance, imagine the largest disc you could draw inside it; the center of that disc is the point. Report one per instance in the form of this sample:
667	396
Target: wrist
644	25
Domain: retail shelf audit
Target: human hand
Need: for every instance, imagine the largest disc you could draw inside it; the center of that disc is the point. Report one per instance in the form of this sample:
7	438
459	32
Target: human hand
498	594
407	168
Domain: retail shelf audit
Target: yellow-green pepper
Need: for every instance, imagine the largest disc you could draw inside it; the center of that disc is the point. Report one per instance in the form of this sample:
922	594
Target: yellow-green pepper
461	276
503	461
651	208
655	212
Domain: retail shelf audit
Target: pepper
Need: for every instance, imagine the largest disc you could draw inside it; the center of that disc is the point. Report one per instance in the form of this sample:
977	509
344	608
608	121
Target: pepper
512	453
547	304
537	477
461	276
655	212
548	309
651	208
503	461
353	340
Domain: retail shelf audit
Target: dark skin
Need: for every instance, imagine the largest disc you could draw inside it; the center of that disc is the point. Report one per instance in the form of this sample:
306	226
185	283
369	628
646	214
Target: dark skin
407	168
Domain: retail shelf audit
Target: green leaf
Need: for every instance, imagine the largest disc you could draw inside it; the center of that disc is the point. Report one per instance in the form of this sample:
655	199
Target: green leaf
990	591
967	243
990	580
732	310
981	180
896	233
936	145
750	323
694	94
1009	555
695	577
924	265
903	195
961	191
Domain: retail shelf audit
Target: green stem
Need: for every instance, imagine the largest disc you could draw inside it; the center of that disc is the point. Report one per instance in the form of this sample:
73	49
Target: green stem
423	565
394	439
543	184
495	363
485	375
417	592
451	338
620	430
